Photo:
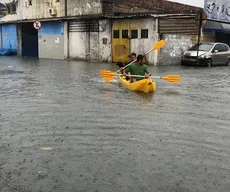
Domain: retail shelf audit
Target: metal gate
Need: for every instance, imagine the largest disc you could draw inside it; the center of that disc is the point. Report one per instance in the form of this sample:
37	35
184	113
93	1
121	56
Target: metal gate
84	40
187	25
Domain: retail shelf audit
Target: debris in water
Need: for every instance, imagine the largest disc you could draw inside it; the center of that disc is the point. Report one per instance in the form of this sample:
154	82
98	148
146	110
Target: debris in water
46	148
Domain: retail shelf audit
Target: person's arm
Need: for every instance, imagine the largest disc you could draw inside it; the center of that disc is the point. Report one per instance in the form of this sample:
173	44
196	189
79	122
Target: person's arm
147	73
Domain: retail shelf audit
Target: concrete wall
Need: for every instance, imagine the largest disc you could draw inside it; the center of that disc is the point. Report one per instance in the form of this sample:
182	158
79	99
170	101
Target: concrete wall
176	46
86	45
78	45
105	49
38	10
84	7
51	40
141	46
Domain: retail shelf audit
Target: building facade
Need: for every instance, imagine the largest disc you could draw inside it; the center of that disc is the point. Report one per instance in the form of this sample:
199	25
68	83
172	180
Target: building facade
96	30
217	27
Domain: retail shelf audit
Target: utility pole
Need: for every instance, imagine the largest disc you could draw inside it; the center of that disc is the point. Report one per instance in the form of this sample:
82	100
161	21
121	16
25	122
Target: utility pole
199	34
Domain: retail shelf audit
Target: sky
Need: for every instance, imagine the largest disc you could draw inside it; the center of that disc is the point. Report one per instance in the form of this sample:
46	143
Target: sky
197	3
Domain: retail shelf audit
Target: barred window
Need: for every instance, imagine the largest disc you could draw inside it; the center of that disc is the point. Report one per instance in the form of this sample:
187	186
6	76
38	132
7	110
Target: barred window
144	33
116	34
134	34
125	34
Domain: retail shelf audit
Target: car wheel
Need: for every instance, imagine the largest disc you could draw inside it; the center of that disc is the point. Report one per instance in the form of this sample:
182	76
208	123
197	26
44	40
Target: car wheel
228	62
209	62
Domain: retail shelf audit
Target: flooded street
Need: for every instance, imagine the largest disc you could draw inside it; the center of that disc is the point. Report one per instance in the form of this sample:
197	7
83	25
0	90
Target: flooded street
63	129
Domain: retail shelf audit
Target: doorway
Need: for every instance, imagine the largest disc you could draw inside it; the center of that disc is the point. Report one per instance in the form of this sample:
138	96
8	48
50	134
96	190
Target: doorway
29	40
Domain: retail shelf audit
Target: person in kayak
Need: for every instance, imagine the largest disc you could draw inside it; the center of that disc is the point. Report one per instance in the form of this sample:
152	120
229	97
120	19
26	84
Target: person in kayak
137	68
145	60
133	56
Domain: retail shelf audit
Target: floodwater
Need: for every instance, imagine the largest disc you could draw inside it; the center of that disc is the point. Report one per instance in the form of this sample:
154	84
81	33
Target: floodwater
63	129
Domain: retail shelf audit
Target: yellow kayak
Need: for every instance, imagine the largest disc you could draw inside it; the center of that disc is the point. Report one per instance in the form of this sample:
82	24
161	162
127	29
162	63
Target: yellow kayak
145	85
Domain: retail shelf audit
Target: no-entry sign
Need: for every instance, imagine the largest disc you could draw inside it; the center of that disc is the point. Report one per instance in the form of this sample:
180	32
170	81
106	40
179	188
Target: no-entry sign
37	25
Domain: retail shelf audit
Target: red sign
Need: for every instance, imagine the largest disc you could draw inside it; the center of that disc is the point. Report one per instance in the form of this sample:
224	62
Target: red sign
37	25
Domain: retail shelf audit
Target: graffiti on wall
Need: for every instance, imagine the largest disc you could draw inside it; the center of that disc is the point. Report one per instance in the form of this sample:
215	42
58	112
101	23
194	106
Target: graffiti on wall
218	10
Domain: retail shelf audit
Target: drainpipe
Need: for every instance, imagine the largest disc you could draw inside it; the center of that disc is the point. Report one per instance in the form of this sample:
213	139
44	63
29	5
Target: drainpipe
66	8
198	43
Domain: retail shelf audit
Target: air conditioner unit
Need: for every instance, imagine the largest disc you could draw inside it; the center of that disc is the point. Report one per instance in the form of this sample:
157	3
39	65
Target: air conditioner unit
52	11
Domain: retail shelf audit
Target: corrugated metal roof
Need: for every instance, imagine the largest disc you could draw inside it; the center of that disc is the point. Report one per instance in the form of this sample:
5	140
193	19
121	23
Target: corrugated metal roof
112	7
97	17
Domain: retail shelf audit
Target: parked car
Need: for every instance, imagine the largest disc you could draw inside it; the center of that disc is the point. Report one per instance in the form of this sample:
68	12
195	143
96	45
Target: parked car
209	54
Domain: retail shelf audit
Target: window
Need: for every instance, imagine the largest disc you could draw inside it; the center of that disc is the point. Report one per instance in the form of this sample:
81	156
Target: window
104	40
12	8
134	34
116	34
125	34
218	48
144	33
222	48
202	47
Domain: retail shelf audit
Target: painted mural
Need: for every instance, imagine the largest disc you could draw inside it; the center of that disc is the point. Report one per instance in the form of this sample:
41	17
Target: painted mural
218	10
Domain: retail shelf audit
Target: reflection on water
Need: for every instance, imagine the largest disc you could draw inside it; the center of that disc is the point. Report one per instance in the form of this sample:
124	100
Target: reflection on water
107	138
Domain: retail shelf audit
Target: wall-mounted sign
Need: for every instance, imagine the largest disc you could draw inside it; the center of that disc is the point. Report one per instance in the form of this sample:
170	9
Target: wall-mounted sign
3	10
217	10
37	25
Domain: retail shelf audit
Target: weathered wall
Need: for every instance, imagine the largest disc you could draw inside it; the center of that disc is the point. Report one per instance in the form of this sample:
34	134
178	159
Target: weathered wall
176	46
84	7
51	40
86	41
105	53
141	46
38	10
78	45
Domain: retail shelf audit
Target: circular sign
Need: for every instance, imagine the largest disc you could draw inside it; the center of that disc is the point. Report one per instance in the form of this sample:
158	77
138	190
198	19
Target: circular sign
37	25
3	10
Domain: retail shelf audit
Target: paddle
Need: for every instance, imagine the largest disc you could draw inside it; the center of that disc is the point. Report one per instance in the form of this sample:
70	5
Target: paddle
160	44
109	75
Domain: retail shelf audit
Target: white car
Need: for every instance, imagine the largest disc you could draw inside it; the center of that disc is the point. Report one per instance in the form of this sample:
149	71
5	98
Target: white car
209	54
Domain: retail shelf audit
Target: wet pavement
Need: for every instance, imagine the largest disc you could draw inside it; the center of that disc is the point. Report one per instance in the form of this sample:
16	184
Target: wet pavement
63	129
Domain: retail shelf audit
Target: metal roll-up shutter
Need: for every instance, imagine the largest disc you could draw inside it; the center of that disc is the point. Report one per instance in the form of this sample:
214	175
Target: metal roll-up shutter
84	26
186	26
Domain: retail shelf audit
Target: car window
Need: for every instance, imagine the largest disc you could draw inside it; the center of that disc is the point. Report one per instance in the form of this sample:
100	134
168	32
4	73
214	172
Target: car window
222	48
202	47
218	48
